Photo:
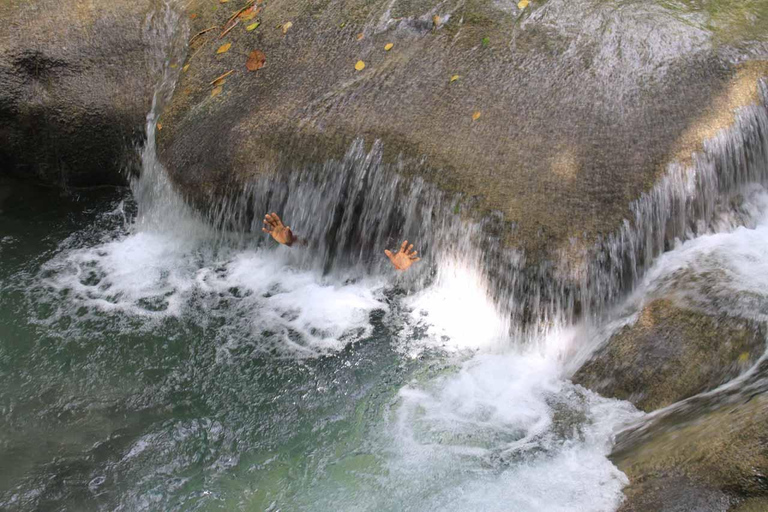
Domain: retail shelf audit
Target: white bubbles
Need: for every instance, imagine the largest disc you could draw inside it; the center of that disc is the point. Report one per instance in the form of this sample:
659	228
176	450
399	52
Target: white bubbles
155	276
507	433
729	267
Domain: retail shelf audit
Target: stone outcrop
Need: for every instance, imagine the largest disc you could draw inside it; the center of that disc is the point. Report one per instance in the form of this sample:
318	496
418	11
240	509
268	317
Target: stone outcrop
75	88
671	353
581	104
714	461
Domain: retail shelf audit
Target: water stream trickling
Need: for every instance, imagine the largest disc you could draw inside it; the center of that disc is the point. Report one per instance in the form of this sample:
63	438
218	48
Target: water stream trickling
159	359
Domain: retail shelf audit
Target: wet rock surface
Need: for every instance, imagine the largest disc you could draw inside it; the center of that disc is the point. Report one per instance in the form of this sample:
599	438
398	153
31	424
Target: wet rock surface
581	104
717	460
75	87
671	353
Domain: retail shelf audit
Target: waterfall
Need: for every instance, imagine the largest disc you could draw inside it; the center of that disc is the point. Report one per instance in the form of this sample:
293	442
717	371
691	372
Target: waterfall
352	208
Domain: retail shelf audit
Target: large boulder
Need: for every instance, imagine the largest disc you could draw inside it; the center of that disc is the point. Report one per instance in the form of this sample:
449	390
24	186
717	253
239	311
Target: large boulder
75	87
581	103
670	353
715	459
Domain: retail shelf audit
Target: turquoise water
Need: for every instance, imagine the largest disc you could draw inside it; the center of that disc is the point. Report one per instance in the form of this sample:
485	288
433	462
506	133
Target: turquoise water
144	370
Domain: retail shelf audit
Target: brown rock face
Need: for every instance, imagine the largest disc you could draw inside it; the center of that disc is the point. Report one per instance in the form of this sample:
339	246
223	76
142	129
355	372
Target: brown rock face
75	87
581	103
671	353
715	461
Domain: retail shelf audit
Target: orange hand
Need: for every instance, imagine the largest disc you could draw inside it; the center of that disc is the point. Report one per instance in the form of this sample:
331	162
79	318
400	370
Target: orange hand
404	258
280	232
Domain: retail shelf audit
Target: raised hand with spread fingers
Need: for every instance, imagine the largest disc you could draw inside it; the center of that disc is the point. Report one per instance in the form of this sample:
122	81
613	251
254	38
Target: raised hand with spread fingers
280	232
404	258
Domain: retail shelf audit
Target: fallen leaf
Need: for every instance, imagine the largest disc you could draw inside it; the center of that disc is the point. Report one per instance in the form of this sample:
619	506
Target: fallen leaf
287	25
223	48
185	68
220	79
252	26
343	24
455	77
360	65
476	116
223	1
249	13
256	60
216	92
360	36
436	21
174	66
159	126
522	4
388	46
192	16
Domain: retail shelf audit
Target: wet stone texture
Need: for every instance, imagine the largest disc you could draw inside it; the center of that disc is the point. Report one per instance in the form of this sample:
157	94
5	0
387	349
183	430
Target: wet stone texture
671	353
75	87
717	460
581	103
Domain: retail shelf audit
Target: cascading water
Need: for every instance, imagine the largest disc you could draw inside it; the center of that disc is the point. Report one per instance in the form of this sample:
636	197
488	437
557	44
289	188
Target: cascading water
185	362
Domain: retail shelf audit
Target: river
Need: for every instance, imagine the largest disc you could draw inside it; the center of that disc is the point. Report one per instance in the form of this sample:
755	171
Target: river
151	361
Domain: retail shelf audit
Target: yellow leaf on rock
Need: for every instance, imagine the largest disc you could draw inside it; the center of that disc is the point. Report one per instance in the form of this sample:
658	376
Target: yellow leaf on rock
360	36
476	116
287	25
216	91
388	46
522	4
159	126
185	68
223	48
455	77
360	65
252	26
174	66
223	1
436	20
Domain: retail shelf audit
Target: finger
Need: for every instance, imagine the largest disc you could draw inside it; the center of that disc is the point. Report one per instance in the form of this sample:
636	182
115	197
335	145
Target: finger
416	259
388	253
413	254
410	248
268	220
265	230
277	219
403	246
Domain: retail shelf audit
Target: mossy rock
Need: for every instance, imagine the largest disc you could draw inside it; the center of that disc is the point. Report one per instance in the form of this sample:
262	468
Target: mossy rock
671	353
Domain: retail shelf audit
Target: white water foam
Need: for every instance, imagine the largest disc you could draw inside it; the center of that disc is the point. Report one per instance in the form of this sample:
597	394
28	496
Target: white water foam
157	275
728	266
508	433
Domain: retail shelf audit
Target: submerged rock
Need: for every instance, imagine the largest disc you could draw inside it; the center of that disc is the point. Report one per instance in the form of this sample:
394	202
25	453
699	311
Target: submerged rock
75	88
561	115
671	353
